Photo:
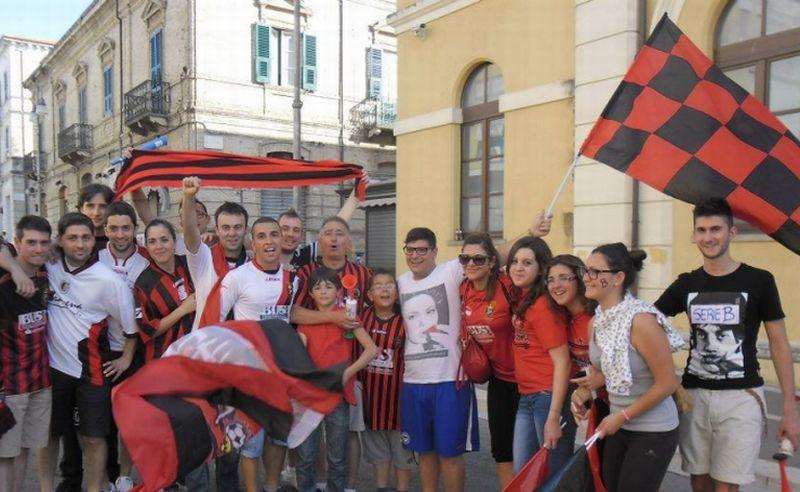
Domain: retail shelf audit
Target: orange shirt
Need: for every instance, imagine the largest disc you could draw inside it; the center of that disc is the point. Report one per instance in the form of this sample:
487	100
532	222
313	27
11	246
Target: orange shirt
534	336
327	347
578	334
489	323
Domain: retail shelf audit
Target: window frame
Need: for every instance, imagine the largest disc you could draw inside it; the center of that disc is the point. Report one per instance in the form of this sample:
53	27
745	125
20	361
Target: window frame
108	91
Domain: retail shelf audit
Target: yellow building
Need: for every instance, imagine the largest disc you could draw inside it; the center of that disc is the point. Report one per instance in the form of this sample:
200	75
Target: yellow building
495	97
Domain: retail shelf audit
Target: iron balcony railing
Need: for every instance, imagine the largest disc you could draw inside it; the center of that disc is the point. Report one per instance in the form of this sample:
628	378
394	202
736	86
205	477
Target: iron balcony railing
75	139
150	98
30	162
373	114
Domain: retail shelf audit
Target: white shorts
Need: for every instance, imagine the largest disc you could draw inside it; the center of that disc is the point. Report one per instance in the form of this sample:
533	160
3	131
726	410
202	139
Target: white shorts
32	431
721	435
357	410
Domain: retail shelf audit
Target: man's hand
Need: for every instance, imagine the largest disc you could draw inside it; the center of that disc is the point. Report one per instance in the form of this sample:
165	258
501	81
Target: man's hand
790	427
345	322
189	304
191	186
541	224
24	284
113	369
210	238
127	153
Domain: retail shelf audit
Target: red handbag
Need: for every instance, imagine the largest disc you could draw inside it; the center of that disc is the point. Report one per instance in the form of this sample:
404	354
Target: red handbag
474	363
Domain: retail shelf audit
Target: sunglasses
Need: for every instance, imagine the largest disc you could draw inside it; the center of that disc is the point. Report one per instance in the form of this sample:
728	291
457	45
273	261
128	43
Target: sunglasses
477	260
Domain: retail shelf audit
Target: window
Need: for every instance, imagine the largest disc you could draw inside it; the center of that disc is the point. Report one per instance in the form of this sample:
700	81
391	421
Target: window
5	86
758	46
108	91
62	201
62	116
274	57
482	152
156	56
82	115
374	72
7	141
86	179
275	201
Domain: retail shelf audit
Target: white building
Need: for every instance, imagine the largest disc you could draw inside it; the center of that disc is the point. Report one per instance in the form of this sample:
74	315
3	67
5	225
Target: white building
18	58
218	74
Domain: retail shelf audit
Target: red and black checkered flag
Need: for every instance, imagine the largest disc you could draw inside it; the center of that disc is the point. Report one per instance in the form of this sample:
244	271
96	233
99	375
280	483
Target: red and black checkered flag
677	123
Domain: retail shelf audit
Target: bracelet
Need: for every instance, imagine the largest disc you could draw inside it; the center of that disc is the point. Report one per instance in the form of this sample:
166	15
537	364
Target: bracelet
625	414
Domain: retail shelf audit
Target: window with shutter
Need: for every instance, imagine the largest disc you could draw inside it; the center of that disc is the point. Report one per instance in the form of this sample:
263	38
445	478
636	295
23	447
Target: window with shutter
261	58
374	72
156	58
108	94
309	62
82	114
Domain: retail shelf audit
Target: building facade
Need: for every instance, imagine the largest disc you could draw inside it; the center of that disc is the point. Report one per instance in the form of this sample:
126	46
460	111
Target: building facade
496	97
18	157
217	75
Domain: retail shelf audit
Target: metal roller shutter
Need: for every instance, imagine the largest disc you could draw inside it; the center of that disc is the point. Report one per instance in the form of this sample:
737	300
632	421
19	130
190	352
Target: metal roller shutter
381	248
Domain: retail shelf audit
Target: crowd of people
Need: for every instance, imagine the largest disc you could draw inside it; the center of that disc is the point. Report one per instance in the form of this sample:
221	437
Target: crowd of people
552	336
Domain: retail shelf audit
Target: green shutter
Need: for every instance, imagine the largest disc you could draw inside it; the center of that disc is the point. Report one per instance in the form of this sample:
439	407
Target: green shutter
374	72
309	62
261	64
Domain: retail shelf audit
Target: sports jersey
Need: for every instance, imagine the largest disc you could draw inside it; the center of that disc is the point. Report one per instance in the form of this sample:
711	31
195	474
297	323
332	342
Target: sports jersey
383	376
23	332
489	324
534	336
304	255
578	336
158	293
82	303
206	268
127	268
359	292
255	294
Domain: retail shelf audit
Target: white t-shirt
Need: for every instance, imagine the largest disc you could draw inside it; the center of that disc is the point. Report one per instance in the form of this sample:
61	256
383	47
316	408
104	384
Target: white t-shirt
431	310
82	302
201	268
255	294
128	268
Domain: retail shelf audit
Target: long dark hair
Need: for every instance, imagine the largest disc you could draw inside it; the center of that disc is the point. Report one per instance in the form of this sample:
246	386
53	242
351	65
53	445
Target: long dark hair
577	267
543	255
485	242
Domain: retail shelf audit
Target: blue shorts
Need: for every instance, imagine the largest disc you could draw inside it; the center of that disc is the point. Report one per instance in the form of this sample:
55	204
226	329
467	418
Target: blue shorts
254	447
439	418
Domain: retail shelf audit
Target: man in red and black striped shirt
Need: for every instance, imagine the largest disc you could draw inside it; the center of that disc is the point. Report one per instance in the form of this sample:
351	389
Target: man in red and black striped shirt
25	371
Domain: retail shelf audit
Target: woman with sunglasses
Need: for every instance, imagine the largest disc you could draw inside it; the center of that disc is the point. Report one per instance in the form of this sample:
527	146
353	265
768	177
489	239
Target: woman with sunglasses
486	317
631	349
541	359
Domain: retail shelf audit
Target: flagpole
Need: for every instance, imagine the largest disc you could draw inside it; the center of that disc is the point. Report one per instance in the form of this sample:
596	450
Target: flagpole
561	186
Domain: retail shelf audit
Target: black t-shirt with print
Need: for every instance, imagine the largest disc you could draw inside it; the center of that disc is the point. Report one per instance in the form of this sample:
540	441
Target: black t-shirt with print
725	313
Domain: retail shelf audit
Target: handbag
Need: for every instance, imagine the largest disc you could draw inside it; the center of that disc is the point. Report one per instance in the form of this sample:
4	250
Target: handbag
474	362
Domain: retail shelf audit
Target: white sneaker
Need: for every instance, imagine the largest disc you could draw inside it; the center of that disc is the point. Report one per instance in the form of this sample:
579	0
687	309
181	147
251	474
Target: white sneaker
123	483
289	476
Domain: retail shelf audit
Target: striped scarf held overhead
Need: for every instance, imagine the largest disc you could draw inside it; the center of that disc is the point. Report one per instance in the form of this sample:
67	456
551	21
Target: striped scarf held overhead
169	167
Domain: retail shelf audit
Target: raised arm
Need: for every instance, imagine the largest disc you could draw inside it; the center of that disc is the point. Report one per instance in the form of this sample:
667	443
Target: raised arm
540	227
191	234
349	207
141	206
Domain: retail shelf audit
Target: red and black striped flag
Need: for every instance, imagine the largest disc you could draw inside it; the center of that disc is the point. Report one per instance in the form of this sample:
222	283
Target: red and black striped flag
210	392
169	167
677	123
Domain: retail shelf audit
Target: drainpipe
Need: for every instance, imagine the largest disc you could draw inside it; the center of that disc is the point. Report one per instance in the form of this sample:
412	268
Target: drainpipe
121	82
341	92
297	103
641	29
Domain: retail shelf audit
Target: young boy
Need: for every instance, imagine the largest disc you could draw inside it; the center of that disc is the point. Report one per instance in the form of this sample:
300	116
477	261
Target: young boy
328	346
382	378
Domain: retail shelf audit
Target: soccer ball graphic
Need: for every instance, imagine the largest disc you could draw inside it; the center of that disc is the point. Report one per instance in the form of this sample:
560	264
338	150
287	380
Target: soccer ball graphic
237	434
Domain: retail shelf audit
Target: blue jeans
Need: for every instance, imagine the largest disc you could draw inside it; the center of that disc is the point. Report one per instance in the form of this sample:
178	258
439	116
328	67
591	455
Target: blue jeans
198	480
337	426
529	431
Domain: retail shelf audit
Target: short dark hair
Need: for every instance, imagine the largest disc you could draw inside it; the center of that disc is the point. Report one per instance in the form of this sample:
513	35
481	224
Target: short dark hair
93	189
74	218
421	234
160	222
231	208
263	220
121	208
324	274
380	271
291	213
337	219
32	223
196	201
621	259
713	206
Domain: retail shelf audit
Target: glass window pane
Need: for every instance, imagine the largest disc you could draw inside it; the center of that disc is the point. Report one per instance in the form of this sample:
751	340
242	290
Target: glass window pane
470	214
496	213
287	58
784	84
471	173
474	89
744	76
494	83
792	122
740	22
496	132
496	175
472	141
782	15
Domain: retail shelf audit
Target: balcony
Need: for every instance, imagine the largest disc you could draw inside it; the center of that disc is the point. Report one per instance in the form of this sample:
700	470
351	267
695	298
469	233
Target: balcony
30	162
75	143
147	107
372	121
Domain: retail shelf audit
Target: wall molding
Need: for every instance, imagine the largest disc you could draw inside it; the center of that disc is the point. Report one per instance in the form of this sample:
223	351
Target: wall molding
424	11
534	96
441	117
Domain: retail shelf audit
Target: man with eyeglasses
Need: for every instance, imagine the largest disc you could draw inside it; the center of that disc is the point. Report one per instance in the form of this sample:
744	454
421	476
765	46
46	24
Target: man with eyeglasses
726	302
439	419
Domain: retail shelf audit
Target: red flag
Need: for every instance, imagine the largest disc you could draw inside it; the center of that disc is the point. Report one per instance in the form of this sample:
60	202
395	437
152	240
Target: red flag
677	123
169	167
532	475
206	394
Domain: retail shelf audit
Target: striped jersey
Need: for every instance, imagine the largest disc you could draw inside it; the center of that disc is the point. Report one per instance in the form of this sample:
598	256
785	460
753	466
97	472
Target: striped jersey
257	294
359	292
383	376
23	336
158	293
82	303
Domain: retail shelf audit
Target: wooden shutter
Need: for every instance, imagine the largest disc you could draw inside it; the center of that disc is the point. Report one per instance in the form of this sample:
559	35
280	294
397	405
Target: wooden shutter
374	72
309	62
261	59
108	93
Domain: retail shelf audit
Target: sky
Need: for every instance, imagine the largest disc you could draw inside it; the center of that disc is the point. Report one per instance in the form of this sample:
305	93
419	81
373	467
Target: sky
39	19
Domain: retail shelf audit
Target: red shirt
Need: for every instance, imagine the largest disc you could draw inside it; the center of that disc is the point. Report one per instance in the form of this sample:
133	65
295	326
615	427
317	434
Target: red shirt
534	336
489	323
328	347
578	334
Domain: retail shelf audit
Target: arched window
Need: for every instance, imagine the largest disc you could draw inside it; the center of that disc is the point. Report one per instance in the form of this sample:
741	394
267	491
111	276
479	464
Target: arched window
758	46
482	152
86	179
62	201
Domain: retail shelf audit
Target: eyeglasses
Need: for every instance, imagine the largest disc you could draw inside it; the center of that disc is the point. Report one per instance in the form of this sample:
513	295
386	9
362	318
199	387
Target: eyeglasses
421	251
561	279
477	260
386	287
593	273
